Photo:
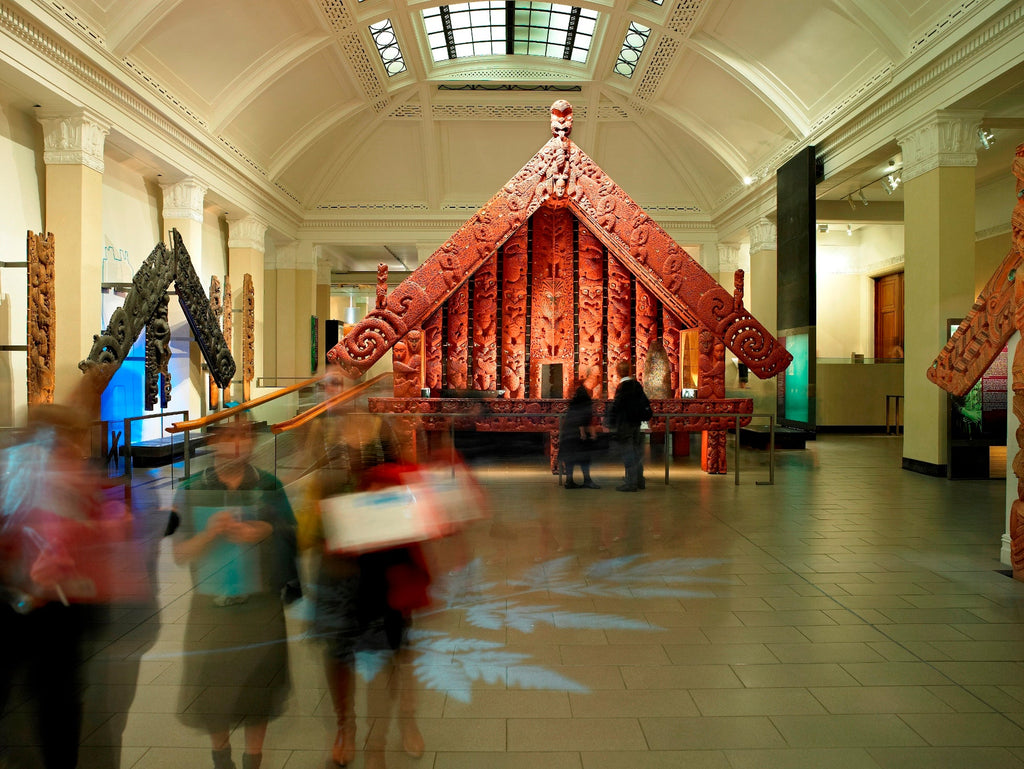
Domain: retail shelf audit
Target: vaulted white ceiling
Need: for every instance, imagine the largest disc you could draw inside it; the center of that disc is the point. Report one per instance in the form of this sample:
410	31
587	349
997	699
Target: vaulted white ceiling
294	95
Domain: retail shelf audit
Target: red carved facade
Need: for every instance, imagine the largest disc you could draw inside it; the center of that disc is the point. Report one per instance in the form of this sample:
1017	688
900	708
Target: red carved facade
586	279
407	364
711	385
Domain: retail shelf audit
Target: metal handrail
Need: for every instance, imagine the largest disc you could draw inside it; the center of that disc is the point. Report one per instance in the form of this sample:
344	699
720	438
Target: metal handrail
209	419
320	408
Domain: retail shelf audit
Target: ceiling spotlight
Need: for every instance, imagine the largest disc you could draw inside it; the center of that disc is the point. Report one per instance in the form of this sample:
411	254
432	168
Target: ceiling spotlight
849	230
849	200
986	137
863	199
822	228
748	180
892	165
891	182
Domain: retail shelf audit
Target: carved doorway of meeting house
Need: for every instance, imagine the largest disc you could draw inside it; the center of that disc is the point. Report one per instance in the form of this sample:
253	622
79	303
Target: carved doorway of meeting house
889	317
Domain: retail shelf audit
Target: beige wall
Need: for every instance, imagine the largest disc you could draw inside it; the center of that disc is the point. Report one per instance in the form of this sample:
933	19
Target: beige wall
989	253
853	394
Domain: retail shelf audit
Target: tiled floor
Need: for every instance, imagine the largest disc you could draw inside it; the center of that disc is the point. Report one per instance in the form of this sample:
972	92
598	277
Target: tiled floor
852	616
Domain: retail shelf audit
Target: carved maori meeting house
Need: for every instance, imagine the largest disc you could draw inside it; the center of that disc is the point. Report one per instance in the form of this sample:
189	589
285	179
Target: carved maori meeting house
561	271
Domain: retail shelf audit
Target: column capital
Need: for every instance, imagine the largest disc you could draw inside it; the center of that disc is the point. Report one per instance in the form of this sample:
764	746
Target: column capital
284	257
184	200
943	139
248	232
763	236
71	139
728	257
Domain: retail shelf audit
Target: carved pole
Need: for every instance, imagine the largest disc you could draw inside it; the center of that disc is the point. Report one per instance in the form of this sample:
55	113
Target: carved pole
620	297
1017	369
42	318
591	306
382	286
646	326
228	326
711	385
513	314
670	328
458	339
158	356
432	367
248	333
485	325
218	311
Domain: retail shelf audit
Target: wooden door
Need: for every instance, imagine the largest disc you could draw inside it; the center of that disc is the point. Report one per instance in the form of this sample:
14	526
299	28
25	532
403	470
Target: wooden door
889	316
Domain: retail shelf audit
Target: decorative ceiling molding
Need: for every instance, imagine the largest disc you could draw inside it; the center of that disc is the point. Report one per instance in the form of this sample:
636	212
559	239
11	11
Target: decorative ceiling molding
337	15
183	200
992	232
763	236
363	70
73	139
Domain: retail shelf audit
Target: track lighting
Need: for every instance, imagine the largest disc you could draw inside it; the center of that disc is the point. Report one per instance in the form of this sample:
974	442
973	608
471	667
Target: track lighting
986	138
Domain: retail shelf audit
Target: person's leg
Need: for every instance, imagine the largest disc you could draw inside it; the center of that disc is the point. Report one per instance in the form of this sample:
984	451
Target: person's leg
341	682
56	682
638	452
255	734
220	742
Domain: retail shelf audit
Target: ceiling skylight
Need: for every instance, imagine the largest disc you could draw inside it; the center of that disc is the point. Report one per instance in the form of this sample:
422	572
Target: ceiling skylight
632	47
492	28
387	46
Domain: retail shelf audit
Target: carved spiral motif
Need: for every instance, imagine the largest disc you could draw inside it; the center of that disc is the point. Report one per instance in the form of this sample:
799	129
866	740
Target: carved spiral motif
743	336
373	334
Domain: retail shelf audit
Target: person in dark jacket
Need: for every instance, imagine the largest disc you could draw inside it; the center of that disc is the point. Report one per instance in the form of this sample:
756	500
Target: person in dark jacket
629	410
576	438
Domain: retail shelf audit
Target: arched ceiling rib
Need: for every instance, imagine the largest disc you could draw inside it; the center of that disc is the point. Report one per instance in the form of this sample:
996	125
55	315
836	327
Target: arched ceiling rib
261	74
133	19
877	19
767	87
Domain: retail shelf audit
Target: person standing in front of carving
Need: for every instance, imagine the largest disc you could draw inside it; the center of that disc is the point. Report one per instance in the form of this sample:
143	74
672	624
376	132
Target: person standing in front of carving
629	410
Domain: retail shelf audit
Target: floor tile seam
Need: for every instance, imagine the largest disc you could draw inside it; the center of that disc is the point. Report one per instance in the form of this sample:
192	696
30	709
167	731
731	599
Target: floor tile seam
874	627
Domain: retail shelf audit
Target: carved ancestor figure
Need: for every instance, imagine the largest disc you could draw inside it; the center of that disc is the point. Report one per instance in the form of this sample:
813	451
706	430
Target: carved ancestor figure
513	314
41	321
591	311
458	339
217	308
407	363
711	385
670	328
485	325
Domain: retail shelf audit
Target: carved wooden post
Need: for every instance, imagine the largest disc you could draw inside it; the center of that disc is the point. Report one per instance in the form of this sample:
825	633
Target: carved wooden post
551	322
620	298
670	327
1017	369
513	314
42	320
458	338
248	334
711	384
432	368
591	306
382	286
485	325
218	313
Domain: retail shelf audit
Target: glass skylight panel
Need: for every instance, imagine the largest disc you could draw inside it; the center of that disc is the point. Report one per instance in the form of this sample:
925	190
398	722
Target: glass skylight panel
632	47
387	46
481	29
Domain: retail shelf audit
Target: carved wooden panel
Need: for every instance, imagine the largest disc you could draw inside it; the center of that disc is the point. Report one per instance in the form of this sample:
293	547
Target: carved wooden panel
382	286
670	327
217	308
646	326
591	313
513	314
42	319
458	339
248	335
620	301
407	363
485	325
158	356
228	324
432	348
551	315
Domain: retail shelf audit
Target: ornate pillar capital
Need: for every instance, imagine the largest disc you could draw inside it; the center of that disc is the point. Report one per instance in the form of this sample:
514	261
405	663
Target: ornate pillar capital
763	236
248	232
73	139
946	138
184	200
323	271
285	257
728	257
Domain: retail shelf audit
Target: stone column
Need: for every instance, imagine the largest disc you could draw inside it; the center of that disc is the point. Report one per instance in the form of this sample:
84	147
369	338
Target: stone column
295	301
762	299
246	247
938	176
73	154
183	211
